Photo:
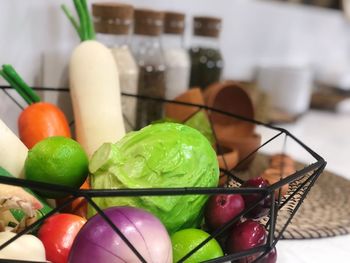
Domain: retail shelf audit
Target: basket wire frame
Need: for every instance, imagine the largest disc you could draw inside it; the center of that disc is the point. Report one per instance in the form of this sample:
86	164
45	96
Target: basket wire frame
300	184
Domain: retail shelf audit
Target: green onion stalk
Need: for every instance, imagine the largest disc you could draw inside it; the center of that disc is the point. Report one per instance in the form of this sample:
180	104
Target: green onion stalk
17	83
84	27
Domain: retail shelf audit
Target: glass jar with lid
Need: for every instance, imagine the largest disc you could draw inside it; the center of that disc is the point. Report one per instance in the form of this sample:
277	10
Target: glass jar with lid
113	25
176	56
148	51
205	54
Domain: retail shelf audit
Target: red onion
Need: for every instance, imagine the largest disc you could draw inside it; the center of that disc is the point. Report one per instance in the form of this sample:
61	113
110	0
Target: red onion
98	242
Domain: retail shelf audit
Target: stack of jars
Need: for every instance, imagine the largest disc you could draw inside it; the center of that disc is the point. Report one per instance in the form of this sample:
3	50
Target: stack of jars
154	62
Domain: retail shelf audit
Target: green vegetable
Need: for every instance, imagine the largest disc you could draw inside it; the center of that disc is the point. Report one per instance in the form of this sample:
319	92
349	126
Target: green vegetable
200	122
16	82
85	28
160	155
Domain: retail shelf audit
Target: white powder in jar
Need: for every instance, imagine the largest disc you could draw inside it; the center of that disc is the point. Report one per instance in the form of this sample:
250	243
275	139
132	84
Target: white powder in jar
177	72
128	77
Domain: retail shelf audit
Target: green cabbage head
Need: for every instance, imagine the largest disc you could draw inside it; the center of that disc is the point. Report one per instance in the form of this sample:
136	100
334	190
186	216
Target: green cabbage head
160	155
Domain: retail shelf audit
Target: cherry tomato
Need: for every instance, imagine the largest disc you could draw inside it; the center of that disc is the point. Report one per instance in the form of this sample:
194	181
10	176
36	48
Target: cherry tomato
58	233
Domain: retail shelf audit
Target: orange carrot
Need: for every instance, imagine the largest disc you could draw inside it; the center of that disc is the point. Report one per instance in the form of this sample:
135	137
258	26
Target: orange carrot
40	119
78	206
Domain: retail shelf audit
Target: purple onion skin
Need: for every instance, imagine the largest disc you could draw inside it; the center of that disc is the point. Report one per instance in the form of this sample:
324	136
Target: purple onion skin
97	242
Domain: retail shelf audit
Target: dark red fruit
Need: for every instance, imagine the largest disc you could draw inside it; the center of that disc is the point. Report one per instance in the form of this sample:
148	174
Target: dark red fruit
221	208
246	235
270	257
263	207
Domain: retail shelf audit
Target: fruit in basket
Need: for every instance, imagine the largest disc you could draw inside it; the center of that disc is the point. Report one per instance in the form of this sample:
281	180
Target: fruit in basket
39	120
187	239
160	155
250	199
58	233
270	257
244	236
97	242
222	208
57	160
26	247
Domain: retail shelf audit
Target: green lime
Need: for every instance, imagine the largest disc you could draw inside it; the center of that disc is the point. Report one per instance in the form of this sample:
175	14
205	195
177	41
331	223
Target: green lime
187	239
57	160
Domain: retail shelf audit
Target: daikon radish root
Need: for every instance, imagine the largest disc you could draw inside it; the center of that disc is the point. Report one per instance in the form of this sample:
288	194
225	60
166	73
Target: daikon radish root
94	86
13	152
94	89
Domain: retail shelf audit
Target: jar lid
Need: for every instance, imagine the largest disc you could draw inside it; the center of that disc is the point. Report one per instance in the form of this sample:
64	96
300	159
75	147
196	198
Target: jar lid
174	23
112	18
206	26
148	22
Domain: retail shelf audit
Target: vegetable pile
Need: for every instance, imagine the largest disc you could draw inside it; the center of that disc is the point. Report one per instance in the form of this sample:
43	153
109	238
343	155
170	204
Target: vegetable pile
161	155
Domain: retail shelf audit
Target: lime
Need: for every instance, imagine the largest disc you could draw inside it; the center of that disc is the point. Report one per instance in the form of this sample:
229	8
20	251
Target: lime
187	239
57	160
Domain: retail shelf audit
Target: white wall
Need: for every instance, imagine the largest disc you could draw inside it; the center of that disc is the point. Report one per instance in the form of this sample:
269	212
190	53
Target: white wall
253	32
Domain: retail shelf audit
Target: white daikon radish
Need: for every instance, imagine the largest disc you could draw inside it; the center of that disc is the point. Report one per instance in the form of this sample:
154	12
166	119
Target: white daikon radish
13	152
95	93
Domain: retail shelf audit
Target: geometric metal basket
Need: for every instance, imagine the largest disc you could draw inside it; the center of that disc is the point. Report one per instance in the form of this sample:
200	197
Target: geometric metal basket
300	183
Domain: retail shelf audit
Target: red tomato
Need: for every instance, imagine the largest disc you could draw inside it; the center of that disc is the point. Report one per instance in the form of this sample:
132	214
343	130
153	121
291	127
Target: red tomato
58	233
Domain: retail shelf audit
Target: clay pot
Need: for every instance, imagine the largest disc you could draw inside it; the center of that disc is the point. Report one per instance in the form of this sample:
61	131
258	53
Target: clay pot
245	146
228	158
183	112
230	97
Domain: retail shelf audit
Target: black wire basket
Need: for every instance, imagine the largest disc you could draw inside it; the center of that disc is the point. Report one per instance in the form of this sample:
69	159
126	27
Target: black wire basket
280	212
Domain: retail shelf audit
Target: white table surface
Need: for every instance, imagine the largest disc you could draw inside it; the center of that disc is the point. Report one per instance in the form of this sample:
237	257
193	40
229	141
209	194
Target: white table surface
328	134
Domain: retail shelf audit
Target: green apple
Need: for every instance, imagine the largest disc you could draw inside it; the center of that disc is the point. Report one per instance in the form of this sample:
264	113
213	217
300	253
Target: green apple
185	240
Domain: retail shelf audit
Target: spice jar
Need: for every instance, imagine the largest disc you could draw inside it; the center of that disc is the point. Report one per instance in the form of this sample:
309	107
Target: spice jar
176	56
205	55
113	25
149	56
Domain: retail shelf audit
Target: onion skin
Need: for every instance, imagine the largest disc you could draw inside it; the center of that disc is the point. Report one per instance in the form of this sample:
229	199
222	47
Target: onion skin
98	243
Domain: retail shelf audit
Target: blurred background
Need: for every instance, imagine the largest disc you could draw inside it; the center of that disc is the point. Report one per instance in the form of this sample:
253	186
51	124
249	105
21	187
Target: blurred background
292	57
257	37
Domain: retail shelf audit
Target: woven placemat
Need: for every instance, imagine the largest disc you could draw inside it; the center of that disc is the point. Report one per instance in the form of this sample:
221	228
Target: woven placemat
324	213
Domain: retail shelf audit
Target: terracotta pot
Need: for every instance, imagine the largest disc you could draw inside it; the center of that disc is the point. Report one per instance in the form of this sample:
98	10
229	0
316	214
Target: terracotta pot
230	97
245	146
183	112
228	158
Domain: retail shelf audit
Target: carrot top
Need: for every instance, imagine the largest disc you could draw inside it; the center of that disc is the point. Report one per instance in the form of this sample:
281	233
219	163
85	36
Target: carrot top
16	82
85	28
